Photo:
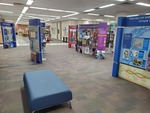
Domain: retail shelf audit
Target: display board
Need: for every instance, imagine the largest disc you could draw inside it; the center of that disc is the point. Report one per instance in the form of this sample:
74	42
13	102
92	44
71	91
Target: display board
132	50
1	41
135	47
8	35
102	34
71	36
92	37
35	40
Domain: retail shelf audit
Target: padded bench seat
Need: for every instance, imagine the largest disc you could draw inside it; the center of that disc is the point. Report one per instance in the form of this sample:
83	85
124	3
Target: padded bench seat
44	89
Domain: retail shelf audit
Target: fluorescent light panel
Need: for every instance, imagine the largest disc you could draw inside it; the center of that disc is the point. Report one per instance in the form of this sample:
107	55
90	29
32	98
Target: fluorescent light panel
93	14
54	16
58	18
132	15
109	5
108	16
70	15
99	20
147	13
24	9
29	2
143	4
6	12
70	11
86	19
73	18
7	4
39	8
89	10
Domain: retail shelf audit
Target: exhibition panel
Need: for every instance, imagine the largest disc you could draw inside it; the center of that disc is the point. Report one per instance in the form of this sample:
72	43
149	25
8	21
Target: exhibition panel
8	35
71	36
35	40
91	39
132	53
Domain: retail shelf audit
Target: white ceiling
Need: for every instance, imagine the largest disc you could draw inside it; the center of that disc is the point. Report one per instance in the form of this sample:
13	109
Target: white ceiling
70	5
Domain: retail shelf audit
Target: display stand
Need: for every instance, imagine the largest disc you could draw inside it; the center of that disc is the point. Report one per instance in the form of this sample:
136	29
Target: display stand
92	38
71	36
132	50
35	40
8	35
43	40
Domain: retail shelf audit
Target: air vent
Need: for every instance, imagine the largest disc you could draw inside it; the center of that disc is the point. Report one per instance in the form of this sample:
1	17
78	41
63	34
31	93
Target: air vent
126	3
18	4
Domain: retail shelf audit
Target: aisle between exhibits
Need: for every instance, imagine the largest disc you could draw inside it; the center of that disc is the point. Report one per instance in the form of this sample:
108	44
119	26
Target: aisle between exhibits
132	51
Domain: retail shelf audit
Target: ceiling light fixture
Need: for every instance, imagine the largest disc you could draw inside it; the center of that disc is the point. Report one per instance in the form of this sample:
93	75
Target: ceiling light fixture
70	15
58	18
24	9
86	19
73	18
147	13
89	10
70	12
57	10
109	16
17	20
143	4
6	12
29	2
99	20
7	4
39	8
132	15
109	5
93	14
54	16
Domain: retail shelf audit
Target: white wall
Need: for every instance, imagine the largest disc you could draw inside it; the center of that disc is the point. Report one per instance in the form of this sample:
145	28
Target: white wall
58	28
63	27
54	30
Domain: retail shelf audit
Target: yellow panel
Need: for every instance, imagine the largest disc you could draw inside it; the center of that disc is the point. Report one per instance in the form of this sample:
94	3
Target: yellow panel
136	75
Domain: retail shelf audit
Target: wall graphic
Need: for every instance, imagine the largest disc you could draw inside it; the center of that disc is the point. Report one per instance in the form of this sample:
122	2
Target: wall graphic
135	47
136	75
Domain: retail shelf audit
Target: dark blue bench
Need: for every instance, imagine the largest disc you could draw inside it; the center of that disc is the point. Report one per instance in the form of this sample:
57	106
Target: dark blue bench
44	89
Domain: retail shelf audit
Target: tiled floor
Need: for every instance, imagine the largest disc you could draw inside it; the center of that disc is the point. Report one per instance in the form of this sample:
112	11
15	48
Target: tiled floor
94	89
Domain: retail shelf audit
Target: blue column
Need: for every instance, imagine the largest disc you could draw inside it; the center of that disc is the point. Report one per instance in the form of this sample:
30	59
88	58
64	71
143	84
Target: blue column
117	52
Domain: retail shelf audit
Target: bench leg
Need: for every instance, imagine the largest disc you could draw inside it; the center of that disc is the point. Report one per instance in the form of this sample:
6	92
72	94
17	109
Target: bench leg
70	105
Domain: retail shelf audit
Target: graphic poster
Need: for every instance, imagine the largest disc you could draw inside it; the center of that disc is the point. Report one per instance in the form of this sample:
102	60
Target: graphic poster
138	43
34	43
136	75
71	36
127	39
102	36
126	54
7	34
135	47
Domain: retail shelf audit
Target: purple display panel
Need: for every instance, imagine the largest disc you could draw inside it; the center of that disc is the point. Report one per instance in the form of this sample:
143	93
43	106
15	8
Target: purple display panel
102	34
88	26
